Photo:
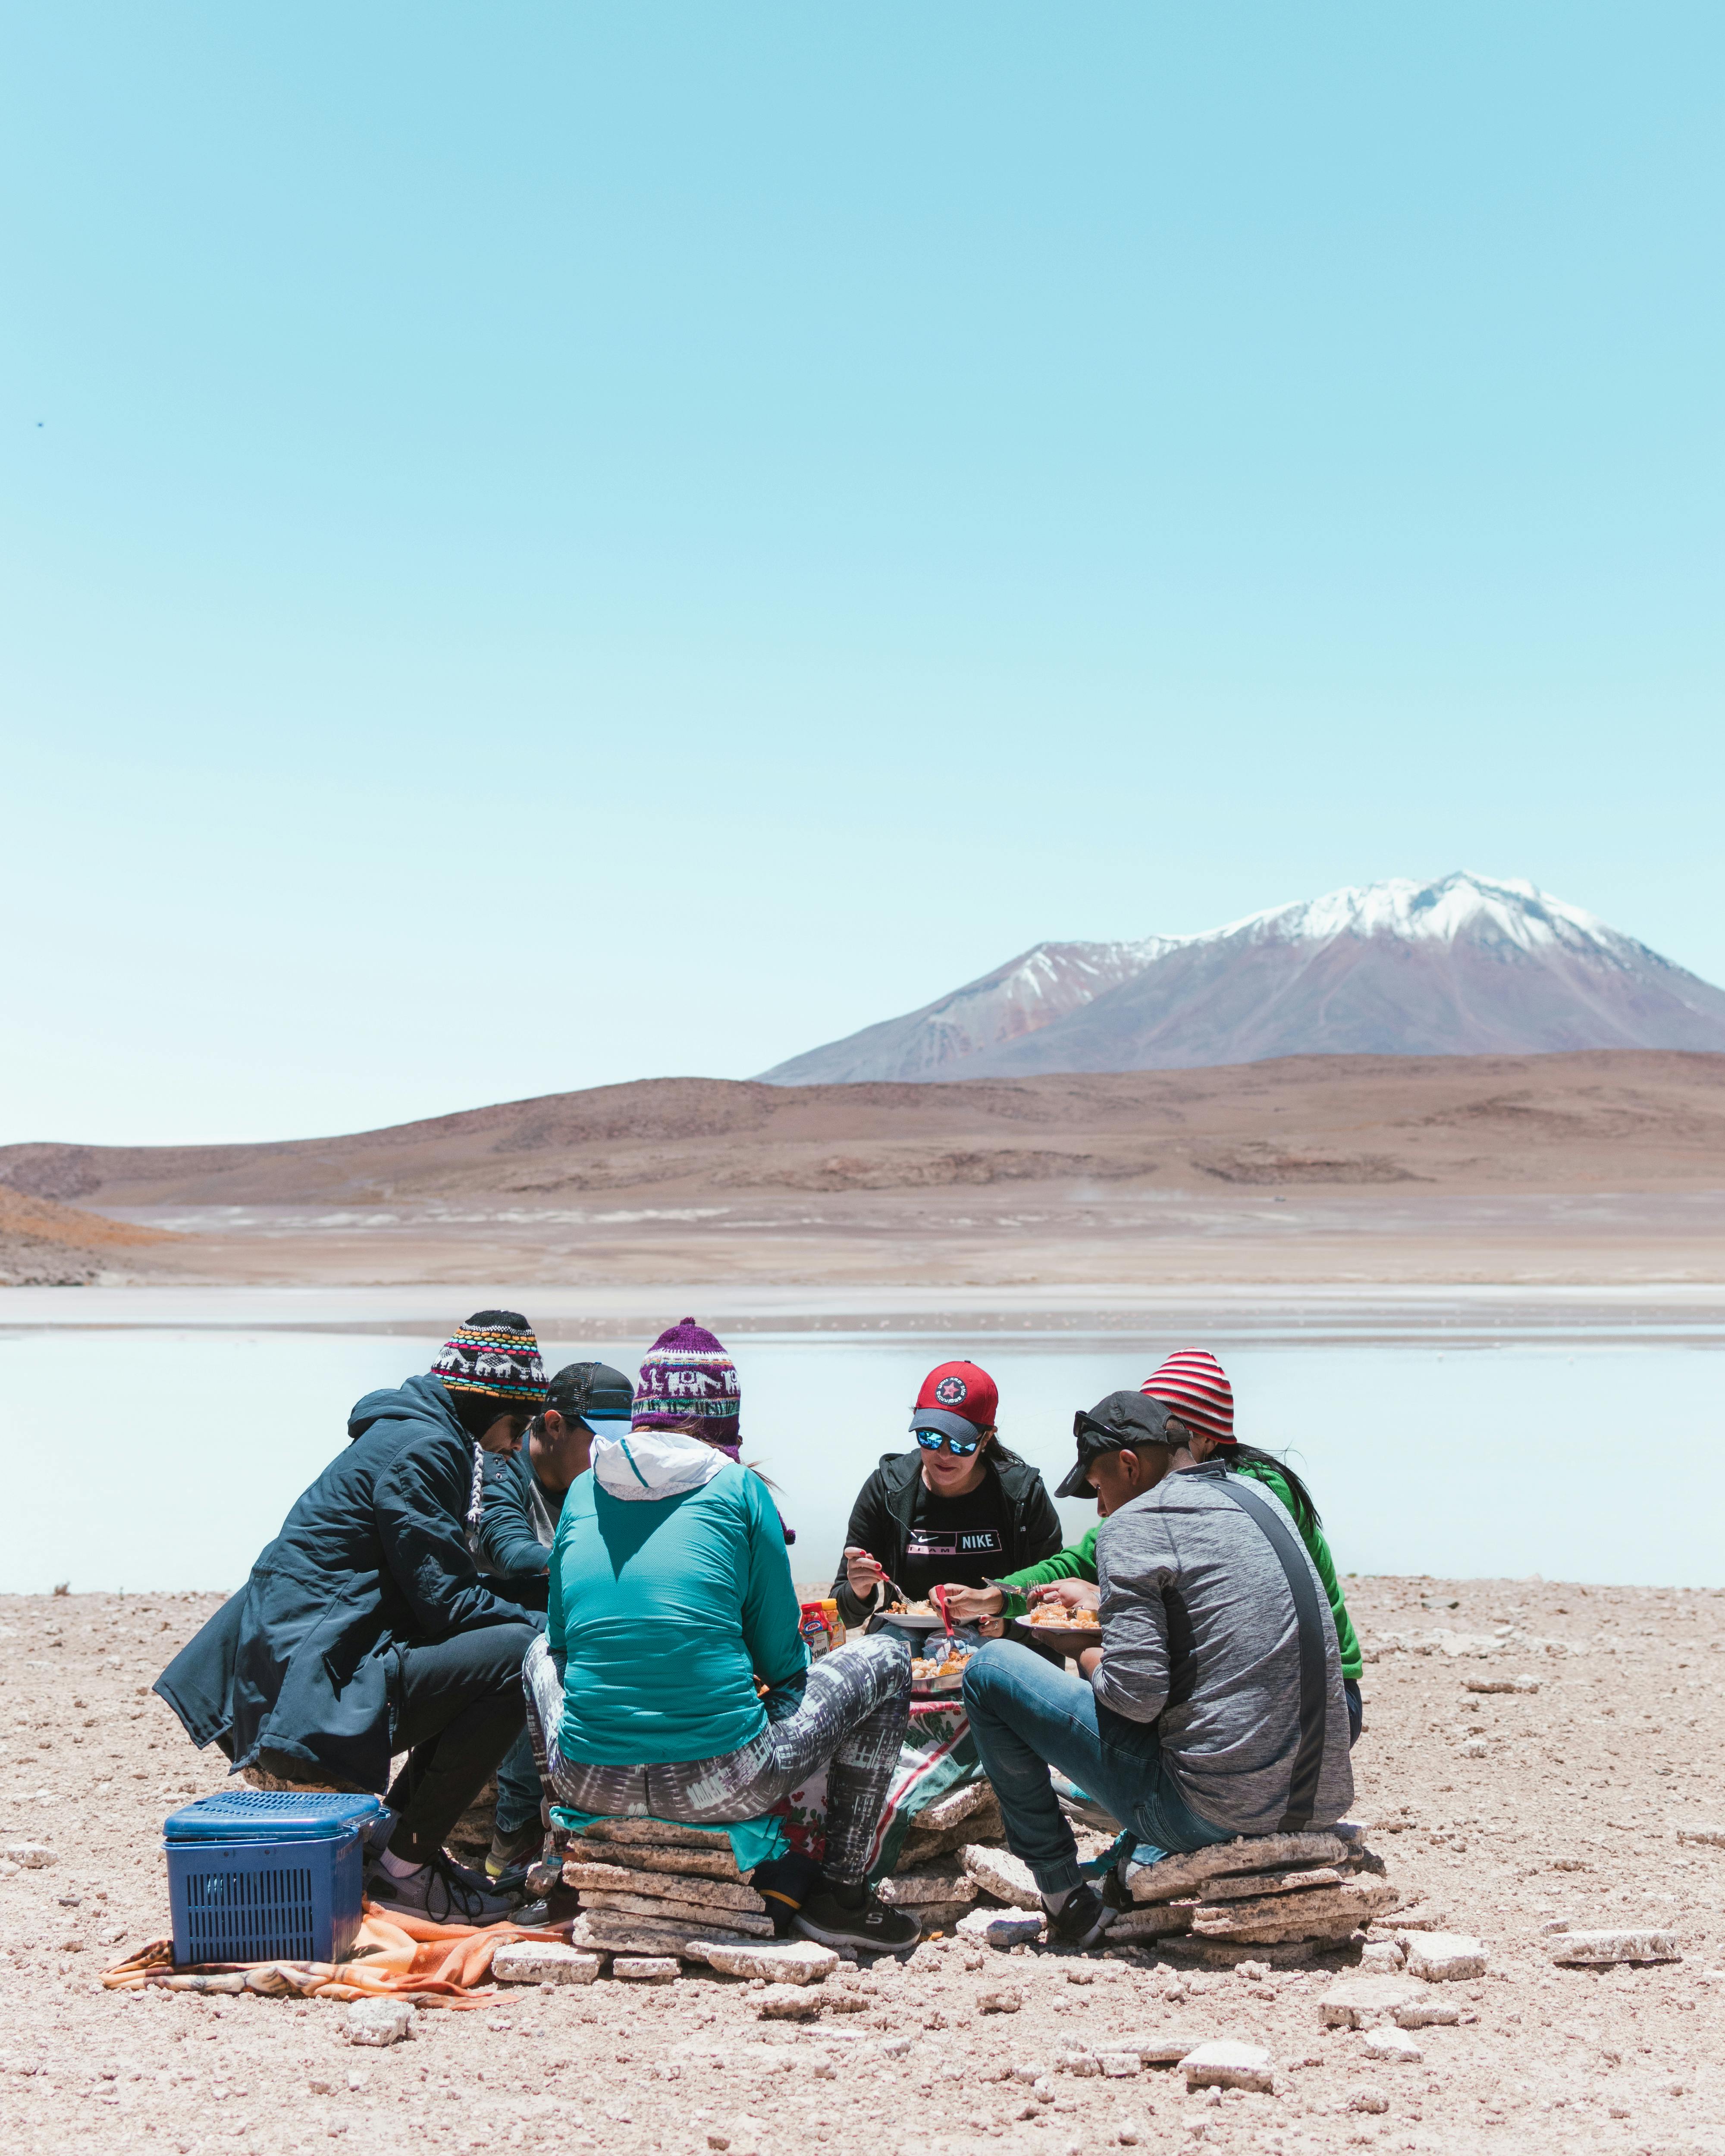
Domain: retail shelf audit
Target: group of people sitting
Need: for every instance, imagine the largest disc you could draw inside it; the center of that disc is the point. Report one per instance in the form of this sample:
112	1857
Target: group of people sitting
579	1586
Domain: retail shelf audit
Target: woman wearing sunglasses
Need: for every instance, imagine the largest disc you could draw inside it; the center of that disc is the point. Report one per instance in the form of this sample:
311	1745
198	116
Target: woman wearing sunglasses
956	1510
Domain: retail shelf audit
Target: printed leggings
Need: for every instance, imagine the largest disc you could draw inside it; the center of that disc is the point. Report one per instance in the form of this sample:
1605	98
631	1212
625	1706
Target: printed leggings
848	1712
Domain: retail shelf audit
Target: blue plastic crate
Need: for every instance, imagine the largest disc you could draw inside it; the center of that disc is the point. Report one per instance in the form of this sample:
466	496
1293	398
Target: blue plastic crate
271	1815
267	1874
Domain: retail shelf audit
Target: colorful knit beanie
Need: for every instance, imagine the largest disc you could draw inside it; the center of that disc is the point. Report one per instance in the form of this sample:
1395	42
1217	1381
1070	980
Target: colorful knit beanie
487	1365
688	1376
495	1355
1192	1385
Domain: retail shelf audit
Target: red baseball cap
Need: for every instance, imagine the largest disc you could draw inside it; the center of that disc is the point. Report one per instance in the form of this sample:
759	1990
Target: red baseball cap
958	1400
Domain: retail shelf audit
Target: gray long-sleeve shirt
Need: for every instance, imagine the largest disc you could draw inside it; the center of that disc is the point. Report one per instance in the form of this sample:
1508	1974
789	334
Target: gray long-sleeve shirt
1200	1634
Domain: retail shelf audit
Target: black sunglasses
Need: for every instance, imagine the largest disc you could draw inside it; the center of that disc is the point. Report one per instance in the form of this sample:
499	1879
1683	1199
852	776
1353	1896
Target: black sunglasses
931	1440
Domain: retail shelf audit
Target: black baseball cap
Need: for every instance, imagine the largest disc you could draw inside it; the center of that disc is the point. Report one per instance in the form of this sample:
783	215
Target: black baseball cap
1114	1424
589	1392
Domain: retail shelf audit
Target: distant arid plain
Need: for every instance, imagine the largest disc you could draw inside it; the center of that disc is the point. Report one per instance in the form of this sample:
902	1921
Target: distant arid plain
1603	1167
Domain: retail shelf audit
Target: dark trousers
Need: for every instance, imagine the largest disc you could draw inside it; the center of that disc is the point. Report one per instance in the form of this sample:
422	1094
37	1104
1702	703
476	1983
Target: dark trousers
458	1707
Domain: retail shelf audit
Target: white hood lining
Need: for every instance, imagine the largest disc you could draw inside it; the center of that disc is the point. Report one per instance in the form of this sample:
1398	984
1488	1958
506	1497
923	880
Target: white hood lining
649	1464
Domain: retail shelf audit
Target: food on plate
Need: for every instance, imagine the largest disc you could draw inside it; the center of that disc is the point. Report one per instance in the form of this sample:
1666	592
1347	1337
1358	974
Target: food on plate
924	1672
911	1609
1060	1619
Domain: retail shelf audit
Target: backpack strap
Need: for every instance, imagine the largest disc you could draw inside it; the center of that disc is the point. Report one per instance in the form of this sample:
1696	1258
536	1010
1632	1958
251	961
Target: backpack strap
1284	1539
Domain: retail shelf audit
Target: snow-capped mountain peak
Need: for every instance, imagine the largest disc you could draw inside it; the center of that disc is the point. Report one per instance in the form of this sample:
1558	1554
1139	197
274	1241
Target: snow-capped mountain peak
1509	910
1465	964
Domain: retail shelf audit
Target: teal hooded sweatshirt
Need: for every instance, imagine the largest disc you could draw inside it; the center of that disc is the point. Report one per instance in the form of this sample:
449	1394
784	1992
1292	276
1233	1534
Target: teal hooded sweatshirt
671	1593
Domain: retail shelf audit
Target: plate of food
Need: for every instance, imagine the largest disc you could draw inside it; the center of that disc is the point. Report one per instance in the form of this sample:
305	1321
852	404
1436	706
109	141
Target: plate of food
933	1676
910	1617
1068	1632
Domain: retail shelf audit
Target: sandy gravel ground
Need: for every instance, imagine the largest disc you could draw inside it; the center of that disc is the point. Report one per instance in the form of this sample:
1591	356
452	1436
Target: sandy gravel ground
1510	1811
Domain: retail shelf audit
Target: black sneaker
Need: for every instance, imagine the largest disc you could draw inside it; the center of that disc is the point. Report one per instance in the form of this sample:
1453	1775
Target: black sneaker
871	1926
443	1892
1081	1918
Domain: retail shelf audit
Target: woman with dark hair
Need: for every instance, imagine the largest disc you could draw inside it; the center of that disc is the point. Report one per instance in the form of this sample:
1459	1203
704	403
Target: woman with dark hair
956	1511
673	1681
1193	1386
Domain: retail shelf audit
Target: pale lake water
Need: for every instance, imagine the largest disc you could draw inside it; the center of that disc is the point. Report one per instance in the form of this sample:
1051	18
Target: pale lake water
156	1458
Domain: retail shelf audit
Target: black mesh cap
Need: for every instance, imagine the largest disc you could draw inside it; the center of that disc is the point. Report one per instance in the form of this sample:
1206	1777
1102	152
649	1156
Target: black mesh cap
581	1389
1113	1424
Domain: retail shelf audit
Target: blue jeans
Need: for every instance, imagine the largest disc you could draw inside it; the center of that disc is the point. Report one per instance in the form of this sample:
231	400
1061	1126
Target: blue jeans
1025	1717
518	1790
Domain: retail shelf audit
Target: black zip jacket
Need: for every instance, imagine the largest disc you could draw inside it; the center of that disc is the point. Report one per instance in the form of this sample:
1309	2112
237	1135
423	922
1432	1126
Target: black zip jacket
300	1662
881	1519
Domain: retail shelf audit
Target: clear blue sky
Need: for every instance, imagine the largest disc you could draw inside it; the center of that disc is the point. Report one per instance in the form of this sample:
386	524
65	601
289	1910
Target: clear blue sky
541	545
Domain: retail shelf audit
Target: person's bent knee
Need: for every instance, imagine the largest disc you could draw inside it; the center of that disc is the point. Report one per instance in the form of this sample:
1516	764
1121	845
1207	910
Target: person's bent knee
988	1668
508	1646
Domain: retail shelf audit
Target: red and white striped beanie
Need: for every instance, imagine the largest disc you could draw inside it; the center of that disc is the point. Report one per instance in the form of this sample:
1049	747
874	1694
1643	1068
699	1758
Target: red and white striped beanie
1195	1386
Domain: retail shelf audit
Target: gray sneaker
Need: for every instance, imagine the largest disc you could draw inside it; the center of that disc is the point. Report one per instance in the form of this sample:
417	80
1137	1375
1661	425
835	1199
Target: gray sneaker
514	1852
443	1892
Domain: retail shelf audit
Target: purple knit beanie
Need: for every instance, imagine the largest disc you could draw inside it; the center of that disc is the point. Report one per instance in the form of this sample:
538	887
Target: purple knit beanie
688	1376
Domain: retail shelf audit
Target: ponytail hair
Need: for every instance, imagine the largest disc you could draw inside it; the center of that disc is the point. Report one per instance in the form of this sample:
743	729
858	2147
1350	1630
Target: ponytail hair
1236	1456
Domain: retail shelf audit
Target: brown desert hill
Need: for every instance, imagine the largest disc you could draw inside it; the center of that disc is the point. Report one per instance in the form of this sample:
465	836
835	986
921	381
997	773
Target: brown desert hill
46	1245
1599	1120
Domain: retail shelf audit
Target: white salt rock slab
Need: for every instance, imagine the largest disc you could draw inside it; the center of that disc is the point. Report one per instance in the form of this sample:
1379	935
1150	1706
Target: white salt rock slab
684	1888
910	1890
1251	1885
1393	2045
1380	1958
1427	2013
1001	1929
1321	1912
527	1961
1184	1873
1224	2063
1077	2060
1599	1949
1155	1920
1443	1957
379	2022
1358	2002
1005	2000
647	1969
962	1804
999	1872
655	1834
1500	1684
32	1855
604	1930
1159	2049
1118	2065
720	1921
1372	2100
791	1960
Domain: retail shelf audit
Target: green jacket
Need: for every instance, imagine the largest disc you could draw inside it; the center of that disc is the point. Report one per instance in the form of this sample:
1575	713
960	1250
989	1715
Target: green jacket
1079	1562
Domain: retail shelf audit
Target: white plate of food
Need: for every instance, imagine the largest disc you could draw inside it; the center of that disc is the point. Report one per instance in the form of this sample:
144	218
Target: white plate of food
1067	1631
